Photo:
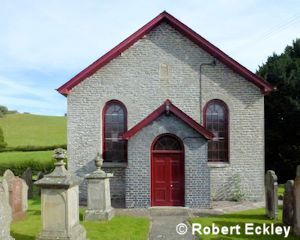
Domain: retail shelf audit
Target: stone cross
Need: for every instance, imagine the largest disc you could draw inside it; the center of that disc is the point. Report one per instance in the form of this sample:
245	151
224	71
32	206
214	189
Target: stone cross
5	215
18	189
99	201
271	194
297	203
60	203
288	203
27	176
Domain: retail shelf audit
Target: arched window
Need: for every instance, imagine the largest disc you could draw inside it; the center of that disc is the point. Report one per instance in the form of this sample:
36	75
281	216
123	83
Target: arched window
167	142
216	120
114	125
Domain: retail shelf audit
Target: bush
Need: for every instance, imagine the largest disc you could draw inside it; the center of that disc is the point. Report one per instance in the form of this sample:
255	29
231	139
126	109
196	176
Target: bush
32	148
3	144
237	194
3	110
18	167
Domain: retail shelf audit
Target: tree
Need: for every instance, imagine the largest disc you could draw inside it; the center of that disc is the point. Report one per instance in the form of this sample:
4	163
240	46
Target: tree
282	111
3	110
3	144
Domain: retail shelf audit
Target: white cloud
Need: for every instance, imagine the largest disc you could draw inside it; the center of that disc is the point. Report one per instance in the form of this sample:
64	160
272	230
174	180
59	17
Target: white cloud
28	98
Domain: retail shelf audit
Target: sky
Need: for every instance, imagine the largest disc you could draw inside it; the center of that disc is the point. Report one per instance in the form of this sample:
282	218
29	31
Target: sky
45	43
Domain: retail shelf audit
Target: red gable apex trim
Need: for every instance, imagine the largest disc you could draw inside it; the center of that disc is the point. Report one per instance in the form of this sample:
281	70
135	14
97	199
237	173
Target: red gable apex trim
165	107
183	29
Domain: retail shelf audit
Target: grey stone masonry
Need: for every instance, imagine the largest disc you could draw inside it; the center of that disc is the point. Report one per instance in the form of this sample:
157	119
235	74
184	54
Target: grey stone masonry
138	176
165	65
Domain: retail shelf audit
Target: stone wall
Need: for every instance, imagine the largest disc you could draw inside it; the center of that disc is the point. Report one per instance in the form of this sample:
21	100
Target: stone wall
164	64
138	174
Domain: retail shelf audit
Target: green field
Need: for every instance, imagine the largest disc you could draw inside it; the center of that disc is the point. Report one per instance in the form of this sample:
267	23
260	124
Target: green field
33	130
120	227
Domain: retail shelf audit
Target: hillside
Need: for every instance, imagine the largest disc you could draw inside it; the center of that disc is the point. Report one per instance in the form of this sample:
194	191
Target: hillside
33	130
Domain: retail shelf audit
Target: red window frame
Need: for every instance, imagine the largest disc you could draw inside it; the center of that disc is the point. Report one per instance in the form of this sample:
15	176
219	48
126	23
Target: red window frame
104	147
215	140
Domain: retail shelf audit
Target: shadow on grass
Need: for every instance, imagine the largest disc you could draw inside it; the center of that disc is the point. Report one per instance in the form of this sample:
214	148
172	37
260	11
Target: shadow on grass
18	236
34	212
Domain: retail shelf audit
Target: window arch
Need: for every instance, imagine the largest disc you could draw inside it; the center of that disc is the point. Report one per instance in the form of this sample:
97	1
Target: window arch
167	142
216	120
114	118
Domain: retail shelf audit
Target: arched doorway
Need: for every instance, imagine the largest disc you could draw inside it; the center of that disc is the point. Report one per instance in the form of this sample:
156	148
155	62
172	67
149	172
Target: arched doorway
167	171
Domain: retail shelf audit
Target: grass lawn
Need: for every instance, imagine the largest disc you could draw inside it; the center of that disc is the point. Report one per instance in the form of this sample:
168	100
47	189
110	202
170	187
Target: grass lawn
256	216
120	227
33	130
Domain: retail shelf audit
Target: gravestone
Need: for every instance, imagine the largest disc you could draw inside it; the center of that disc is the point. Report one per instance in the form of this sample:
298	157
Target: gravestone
27	176
5	188
17	195
60	203
39	176
99	201
24	195
5	215
288	203
271	194
297	203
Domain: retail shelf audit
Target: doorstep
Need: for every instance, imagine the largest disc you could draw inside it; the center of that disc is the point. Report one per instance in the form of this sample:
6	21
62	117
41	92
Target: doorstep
170	211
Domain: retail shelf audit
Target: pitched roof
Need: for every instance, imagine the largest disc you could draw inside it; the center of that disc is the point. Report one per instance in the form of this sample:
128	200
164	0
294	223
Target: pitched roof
167	107
183	29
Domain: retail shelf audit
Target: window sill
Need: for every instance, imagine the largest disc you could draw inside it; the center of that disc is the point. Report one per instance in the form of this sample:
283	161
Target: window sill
114	165
218	164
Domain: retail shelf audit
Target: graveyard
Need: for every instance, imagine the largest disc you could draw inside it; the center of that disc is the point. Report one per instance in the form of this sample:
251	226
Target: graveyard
27	208
127	227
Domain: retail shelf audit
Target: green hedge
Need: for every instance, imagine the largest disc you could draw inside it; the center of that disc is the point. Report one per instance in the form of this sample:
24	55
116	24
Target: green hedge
18	167
32	148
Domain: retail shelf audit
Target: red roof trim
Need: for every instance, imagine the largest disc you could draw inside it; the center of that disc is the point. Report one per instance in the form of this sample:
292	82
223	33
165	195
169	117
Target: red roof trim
168	106
183	29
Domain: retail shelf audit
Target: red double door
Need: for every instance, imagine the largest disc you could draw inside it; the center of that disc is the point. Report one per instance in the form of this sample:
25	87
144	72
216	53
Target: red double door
167	178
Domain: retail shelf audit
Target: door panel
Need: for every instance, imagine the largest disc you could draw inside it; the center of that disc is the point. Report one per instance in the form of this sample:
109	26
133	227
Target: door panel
167	179
160	171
